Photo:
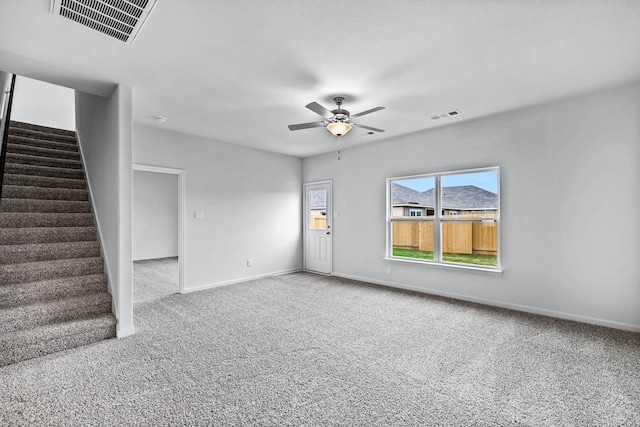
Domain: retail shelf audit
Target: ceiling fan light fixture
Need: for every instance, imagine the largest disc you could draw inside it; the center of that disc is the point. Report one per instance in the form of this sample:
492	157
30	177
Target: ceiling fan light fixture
339	128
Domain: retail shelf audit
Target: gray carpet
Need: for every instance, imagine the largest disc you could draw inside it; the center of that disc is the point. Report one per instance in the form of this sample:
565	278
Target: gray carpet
311	350
53	290
155	278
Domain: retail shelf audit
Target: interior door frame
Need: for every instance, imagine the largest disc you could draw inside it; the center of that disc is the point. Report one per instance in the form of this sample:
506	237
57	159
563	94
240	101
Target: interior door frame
305	219
182	206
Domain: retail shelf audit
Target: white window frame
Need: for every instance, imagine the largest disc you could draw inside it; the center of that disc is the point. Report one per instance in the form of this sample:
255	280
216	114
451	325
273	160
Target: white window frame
438	219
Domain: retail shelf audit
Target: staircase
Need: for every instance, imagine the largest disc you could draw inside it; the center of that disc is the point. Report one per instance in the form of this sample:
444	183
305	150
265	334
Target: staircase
53	292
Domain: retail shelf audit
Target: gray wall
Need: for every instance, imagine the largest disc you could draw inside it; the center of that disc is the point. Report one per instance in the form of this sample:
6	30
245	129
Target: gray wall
570	186
251	201
104	132
155	215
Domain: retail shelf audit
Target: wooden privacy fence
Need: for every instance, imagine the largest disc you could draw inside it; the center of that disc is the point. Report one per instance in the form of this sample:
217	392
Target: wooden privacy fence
457	237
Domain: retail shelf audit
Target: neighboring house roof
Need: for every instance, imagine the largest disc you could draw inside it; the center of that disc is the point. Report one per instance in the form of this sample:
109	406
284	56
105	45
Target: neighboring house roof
407	196
459	197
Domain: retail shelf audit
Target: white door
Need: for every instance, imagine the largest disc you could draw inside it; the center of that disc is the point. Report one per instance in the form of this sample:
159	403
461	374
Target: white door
317	227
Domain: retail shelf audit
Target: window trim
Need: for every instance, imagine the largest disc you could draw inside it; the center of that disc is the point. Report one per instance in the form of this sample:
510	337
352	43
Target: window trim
438	220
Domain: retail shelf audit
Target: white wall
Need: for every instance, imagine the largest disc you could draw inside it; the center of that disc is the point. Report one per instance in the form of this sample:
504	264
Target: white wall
104	132
570	186
43	104
251	201
155	215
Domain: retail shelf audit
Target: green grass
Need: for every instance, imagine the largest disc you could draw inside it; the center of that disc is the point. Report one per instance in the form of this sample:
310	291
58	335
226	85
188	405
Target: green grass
488	260
410	253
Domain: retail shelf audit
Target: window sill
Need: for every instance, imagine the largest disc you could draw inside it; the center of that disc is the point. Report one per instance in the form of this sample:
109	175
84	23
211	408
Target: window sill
438	264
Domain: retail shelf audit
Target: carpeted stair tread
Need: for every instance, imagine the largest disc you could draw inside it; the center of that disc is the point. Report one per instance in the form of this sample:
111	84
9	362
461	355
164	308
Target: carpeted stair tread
11	254
19	236
30	150
69	327
45	219
59	310
43	181
15	125
49	171
54	269
44	206
48	339
26	159
44	193
28	293
41	128
44	143
45	136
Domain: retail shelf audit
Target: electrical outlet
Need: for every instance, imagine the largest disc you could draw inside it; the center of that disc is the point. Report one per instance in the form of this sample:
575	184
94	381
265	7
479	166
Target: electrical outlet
388	270
198	214
249	263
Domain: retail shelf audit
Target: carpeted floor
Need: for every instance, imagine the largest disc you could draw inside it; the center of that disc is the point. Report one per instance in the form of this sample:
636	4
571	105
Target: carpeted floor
310	350
155	278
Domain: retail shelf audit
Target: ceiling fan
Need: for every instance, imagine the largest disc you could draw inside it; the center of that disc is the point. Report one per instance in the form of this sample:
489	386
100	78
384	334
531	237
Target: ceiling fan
337	121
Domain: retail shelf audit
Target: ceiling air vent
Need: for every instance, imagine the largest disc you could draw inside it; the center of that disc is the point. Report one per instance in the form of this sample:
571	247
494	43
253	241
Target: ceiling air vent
449	114
120	19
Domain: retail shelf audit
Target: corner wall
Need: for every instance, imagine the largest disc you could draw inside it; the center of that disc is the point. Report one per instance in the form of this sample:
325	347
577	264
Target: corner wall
570	187
155	215
251	202
104	129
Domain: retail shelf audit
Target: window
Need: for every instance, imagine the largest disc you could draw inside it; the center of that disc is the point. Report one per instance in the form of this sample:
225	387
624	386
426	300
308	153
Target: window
447	218
318	209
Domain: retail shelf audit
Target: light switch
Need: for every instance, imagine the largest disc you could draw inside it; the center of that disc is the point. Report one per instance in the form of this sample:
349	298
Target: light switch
335	214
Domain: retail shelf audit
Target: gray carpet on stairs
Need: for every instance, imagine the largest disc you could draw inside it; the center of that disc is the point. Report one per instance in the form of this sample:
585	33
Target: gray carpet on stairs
53	292
308	350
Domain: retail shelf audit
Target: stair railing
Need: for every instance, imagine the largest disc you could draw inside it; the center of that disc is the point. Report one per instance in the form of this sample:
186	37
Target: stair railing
7	101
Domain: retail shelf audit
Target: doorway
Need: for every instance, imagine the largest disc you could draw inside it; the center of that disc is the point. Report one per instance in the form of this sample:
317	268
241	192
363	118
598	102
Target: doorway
318	237
158	232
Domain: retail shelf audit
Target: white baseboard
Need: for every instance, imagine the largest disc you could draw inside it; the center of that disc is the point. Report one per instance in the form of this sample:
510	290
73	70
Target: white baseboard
241	280
121	333
501	304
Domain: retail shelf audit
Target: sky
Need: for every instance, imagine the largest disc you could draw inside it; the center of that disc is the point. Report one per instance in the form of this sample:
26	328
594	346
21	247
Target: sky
487	180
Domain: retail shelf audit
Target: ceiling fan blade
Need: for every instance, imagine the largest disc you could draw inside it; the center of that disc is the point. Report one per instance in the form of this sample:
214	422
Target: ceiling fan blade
319	109
368	127
373	110
306	125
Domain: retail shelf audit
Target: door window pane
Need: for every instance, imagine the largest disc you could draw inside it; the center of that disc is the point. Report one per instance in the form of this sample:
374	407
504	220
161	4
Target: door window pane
318	209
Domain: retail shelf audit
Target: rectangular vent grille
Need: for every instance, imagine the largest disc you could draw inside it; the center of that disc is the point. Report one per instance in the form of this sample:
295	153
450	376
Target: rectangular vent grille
449	114
120	19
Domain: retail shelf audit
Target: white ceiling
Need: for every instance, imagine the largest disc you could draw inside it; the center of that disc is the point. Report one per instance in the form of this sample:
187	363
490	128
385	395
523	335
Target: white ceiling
240	71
